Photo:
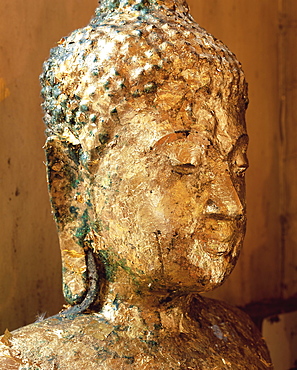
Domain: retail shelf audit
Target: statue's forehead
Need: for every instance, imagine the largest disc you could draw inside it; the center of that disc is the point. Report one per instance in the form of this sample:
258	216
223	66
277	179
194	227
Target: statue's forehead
214	123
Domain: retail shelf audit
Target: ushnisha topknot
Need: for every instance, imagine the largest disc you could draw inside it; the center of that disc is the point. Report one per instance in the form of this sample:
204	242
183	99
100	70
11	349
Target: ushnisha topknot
138	58
107	7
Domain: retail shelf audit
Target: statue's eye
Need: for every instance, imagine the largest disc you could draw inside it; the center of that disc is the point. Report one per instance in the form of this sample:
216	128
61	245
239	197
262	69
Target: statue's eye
240	171
184	157
184	169
240	164
237	158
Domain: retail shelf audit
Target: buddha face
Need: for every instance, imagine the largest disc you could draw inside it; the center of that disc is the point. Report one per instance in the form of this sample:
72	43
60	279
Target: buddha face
170	198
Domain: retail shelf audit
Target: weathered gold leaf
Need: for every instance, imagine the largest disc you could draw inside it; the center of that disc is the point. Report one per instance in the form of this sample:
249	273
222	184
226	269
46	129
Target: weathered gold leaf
6	338
73	253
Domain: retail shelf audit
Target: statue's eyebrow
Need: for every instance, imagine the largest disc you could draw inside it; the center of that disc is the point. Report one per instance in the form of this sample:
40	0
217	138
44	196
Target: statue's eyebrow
242	140
194	137
176	135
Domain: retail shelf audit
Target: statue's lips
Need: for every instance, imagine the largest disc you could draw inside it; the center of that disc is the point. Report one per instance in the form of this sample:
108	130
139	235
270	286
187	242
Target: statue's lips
216	247
218	238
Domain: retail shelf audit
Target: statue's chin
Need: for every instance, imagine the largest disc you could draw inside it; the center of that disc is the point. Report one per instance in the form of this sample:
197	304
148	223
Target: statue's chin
206	266
184	277
217	263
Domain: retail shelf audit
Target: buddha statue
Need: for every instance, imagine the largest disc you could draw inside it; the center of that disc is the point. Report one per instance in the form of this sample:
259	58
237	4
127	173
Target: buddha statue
146	155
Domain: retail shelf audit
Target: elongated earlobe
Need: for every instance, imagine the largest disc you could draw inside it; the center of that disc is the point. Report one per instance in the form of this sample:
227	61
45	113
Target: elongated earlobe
70	206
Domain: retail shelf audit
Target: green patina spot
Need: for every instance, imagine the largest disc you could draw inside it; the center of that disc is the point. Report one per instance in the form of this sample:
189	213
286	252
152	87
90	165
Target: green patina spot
69	297
103	138
74	152
75	183
123	264
116	301
83	108
106	85
95	72
44	91
56	91
93	118
72	118
138	33
82	231
141	5
84	157
111	263
110	268
89	203
64	104
113	4
73	210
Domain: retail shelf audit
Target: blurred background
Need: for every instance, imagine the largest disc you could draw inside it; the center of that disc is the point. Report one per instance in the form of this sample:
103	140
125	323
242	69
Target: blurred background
263	35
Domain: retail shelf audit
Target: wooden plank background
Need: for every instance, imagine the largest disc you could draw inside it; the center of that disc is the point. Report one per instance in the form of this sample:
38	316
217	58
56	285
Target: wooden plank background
262	33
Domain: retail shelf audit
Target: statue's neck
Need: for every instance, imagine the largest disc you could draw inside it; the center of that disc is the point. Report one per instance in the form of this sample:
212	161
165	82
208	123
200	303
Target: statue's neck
123	297
145	311
109	6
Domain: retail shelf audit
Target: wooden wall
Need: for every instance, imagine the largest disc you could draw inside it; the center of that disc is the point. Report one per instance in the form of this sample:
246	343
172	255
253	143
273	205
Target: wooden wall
263	36
288	136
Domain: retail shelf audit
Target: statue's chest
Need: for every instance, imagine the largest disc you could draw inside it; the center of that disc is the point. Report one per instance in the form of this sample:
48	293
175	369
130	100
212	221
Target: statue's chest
180	351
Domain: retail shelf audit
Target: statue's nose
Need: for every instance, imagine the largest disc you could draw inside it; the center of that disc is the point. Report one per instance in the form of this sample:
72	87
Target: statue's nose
223	198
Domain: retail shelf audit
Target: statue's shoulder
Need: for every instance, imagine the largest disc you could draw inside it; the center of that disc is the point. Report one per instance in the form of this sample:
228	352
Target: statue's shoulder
71	343
209	334
230	332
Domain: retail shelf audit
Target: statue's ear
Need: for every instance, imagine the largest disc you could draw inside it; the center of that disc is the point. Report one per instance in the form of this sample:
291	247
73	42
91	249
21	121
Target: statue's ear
68	188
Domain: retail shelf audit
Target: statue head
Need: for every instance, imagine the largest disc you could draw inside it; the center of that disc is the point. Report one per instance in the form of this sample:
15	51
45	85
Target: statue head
146	147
